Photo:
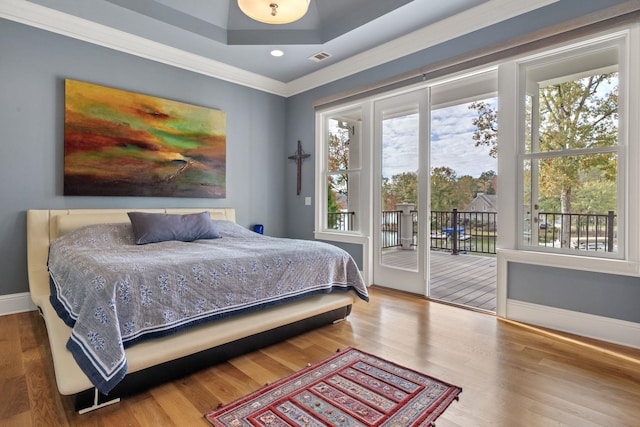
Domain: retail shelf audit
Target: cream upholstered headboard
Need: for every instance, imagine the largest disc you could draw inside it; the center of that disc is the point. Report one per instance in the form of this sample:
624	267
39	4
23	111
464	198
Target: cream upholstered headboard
44	226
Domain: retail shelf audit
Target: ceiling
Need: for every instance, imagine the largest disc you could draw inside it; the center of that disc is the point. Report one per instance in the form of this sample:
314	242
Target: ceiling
356	34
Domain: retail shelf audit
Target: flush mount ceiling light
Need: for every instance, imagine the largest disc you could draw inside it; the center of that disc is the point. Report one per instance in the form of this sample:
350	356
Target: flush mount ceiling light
274	11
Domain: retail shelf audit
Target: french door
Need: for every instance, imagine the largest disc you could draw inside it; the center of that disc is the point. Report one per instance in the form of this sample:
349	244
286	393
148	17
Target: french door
401	192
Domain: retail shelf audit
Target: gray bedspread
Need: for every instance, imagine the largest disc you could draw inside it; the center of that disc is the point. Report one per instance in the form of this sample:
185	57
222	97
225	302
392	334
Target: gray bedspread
114	293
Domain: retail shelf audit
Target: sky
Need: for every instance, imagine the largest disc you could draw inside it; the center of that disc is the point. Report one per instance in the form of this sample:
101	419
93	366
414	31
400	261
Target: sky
452	144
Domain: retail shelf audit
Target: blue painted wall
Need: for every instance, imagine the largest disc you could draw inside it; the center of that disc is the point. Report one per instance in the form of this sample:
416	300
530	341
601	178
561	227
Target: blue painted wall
600	294
33	66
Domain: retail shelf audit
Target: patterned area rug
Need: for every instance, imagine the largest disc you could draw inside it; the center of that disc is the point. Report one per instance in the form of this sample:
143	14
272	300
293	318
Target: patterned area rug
351	388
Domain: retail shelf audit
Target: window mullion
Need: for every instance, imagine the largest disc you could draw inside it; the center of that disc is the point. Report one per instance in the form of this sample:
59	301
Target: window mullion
571	152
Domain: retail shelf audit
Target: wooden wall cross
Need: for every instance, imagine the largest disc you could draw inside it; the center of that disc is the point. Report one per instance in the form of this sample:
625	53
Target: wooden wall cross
299	156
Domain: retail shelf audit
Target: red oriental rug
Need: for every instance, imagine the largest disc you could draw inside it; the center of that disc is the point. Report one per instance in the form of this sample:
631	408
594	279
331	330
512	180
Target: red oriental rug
351	388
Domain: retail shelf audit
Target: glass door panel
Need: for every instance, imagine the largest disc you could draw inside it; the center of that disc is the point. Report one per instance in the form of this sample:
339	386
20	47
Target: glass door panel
400	150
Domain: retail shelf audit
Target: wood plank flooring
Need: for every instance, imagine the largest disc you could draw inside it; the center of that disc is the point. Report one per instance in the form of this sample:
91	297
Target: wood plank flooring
511	375
465	279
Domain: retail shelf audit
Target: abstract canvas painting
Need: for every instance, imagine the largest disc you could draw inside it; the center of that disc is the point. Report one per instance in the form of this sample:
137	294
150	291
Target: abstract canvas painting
121	143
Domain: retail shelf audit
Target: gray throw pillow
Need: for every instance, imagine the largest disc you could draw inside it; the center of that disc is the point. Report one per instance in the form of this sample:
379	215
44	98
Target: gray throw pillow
153	227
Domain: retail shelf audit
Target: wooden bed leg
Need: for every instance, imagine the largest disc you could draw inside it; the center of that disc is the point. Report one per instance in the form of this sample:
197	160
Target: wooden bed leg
97	404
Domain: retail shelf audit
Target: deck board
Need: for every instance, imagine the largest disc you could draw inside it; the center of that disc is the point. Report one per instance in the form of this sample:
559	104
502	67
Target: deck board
463	279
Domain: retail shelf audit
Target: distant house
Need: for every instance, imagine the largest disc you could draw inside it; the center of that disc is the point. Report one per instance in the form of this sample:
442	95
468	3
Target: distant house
483	203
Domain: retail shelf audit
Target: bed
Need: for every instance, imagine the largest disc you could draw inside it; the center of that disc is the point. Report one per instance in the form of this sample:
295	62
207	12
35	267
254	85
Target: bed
175	352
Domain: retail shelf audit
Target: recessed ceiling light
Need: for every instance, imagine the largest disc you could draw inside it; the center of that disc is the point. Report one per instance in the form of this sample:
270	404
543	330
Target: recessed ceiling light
277	52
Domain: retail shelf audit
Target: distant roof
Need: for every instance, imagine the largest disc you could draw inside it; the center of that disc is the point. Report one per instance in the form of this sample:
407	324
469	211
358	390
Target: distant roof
490	200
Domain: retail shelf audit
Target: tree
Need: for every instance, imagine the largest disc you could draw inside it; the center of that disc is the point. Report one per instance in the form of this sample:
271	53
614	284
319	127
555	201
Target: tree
332	206
466	188
576	115
573	115
598	194
485	181
401	188
486	124
339	137
338	160
446	191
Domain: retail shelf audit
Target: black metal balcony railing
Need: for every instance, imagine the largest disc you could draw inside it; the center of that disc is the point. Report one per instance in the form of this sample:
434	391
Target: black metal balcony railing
391	223
477	232
591	232
342	221
464	231
444	236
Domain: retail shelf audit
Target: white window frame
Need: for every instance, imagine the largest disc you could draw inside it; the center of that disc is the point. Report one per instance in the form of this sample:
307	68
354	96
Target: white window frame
360	203
510	228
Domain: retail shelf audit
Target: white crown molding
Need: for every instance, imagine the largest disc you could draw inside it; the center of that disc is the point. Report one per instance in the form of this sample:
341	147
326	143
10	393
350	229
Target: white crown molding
57	22
476	18
473	19
16	303
588	325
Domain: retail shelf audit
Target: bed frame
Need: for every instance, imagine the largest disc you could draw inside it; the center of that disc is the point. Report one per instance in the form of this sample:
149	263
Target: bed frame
159	360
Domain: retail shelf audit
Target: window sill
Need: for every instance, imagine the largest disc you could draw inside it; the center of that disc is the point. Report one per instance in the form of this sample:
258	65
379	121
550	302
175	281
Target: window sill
573	262
344	237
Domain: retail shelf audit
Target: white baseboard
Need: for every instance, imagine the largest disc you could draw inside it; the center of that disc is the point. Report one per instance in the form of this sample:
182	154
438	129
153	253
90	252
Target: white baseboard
16	303
588	325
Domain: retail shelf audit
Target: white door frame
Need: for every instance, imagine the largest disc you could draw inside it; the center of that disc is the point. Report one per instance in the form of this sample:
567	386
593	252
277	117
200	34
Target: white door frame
413	281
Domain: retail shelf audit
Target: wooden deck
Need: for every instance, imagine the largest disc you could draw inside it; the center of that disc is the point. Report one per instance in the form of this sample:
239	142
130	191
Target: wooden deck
464	279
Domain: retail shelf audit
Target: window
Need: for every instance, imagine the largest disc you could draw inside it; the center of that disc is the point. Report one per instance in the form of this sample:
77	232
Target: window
571	151
340	163
568	154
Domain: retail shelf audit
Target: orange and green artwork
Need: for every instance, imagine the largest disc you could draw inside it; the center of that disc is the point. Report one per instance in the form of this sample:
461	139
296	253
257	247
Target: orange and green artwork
120	143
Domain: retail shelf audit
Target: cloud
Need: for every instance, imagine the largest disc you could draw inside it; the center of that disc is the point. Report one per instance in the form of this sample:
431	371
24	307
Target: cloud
452	144
400	145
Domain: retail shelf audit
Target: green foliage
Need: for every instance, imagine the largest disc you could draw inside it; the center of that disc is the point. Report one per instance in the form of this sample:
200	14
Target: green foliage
401	188
486	182
332	200
338	160
578	114
448	191
597	195
332	206
338	146
549	204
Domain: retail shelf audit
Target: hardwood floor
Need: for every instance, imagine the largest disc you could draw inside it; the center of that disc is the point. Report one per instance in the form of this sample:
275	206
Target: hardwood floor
511	375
